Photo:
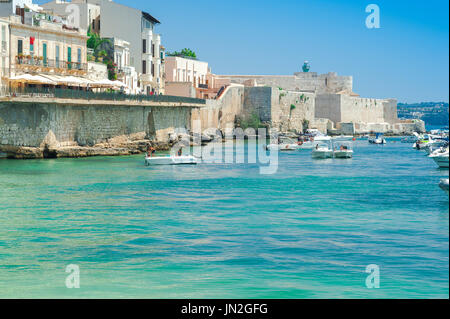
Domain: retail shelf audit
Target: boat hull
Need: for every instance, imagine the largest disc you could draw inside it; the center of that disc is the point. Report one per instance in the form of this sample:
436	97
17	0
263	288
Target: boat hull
282	147
322	154
171	160
441	161
343	154
380	142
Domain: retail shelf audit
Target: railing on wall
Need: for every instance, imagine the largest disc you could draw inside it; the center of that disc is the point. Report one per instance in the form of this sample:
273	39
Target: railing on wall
49	63
89	95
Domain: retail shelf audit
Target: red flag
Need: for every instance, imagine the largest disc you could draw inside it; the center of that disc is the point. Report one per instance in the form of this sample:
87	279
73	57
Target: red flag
32	40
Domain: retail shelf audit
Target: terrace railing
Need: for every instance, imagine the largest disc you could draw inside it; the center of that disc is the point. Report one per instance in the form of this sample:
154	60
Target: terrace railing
49	63
49	92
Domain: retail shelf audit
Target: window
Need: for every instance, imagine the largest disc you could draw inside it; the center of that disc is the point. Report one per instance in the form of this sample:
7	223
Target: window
146	24
69	58
57	56
79	58
44	53
20	47
144	46
153	69
4	43
153	50
98	25
144	67
93	24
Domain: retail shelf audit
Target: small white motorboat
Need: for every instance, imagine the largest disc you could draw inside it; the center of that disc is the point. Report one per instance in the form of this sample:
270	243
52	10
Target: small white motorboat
312	142
441	157
431	147
282	147
322	151
170	160
444	184
343	150
284	144
378	139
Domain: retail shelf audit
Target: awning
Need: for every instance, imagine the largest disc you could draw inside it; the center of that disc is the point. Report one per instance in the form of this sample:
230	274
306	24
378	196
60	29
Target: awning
69	80
105	83
120	84
32	79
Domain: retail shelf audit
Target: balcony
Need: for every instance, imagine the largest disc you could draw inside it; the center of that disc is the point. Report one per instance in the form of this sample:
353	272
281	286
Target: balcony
39	65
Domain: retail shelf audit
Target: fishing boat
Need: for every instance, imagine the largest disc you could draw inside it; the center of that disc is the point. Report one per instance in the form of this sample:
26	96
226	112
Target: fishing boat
378	139
322	150
444	184
343	150
441	157
170	160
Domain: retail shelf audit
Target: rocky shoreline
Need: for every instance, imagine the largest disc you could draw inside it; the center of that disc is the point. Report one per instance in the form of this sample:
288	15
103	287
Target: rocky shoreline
103	149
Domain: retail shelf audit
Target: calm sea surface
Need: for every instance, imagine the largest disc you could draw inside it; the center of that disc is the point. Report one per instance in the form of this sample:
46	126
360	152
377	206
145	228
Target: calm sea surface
224	230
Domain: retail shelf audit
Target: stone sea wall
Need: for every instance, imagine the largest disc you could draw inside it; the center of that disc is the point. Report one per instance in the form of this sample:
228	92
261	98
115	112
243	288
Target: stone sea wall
33	129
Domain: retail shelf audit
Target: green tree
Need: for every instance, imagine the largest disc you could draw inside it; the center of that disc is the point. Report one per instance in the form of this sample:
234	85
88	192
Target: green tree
94	42
184	53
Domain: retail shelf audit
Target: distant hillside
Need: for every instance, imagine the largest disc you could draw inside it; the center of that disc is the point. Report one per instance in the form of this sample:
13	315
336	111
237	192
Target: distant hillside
433	113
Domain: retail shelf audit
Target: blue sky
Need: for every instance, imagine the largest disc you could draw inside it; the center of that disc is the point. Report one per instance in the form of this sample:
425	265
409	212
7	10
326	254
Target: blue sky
407	58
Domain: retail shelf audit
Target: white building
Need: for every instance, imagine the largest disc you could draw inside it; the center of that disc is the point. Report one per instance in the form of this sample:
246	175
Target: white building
4	54
119	52
114	20
181	69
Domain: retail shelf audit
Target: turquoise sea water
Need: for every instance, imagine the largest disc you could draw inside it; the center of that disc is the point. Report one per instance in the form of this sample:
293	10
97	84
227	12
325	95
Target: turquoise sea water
224	230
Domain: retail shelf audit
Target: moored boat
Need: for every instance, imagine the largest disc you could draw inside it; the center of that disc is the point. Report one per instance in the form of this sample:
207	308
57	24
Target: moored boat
171	160
378	139
441	157
322	151
343	150
284	144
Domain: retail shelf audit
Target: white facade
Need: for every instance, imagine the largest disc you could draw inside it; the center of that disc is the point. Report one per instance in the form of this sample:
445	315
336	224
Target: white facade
179	69
125	72
134	26
4	54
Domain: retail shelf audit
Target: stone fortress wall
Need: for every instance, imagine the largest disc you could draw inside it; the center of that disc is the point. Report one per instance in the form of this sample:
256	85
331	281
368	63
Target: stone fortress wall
330	98
300	81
